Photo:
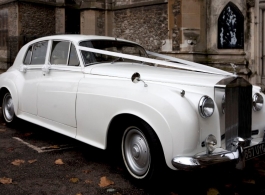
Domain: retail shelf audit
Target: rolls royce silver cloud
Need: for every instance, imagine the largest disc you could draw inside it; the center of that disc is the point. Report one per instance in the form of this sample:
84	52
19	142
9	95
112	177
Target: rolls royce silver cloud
153	110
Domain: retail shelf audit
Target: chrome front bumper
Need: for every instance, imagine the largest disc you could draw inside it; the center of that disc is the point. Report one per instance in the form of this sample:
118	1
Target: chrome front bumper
238	156
206	160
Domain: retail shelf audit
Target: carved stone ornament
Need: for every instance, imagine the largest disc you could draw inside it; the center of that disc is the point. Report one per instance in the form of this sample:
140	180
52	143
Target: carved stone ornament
251	3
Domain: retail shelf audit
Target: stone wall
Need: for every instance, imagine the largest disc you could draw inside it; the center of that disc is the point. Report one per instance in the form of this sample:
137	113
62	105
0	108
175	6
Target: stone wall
147	25
100	23
12	31
176	10
92	22
59	20
12	18
128	2
37	20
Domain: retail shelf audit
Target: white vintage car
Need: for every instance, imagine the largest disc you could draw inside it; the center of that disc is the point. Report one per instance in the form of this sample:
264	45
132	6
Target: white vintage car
110	93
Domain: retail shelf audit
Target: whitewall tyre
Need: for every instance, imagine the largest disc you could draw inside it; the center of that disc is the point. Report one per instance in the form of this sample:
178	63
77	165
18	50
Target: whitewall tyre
142	153
135	152
8	108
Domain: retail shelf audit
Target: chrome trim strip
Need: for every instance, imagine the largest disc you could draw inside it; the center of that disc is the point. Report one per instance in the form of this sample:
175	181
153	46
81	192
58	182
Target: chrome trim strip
33	67
66	68
30	55
68	53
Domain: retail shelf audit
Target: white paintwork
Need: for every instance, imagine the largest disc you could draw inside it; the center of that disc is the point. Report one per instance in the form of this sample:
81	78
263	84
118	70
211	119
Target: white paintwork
81	102
28	92
155	74
57	94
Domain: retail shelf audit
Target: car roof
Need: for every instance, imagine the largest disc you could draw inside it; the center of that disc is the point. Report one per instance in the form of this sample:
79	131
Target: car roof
77	38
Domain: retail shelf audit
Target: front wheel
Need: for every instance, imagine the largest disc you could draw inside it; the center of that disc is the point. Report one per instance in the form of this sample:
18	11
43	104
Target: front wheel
142	153
8	109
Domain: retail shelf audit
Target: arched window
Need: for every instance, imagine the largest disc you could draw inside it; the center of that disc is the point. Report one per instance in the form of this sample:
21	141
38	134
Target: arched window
231	28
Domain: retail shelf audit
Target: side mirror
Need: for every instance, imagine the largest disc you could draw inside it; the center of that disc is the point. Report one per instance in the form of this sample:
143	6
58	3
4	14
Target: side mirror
136	78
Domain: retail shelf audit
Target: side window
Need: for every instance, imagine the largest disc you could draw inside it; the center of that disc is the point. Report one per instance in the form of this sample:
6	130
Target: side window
27	59
88	57
73	59
59	53
39	53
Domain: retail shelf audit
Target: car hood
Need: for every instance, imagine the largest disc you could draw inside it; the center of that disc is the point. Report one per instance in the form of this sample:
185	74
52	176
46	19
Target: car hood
155	74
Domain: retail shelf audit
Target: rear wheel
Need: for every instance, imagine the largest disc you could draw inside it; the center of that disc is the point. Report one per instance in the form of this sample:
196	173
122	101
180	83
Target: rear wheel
8	109
142	153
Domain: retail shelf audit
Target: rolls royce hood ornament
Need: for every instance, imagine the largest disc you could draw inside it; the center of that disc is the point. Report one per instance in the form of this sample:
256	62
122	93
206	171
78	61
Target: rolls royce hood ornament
234	68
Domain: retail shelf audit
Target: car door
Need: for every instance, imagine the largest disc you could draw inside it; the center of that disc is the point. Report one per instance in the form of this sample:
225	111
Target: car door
58	87
31	73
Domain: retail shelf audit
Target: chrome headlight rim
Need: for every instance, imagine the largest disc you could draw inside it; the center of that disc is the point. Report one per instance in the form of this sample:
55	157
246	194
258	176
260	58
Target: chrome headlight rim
257	101
202	103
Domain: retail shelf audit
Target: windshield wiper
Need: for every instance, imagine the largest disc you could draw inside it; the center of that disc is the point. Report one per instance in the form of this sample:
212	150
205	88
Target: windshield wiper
92	63
117	59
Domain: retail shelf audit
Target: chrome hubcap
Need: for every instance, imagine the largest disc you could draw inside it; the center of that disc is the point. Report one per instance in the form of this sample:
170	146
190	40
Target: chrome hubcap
8	108
136	152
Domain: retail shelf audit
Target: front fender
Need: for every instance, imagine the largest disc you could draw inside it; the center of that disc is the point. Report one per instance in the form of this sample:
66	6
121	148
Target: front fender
171	116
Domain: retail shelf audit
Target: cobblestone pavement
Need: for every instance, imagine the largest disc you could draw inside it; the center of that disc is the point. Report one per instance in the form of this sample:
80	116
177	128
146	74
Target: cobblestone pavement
40	161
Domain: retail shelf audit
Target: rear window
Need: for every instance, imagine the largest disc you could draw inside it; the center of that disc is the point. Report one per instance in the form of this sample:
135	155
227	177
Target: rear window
36	53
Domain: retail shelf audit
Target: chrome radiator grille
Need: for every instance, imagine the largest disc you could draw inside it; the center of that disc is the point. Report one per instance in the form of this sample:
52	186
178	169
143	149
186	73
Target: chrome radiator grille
238	109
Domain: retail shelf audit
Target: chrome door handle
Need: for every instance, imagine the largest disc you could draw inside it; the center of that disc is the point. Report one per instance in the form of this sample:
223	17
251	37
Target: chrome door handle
23	68
46	69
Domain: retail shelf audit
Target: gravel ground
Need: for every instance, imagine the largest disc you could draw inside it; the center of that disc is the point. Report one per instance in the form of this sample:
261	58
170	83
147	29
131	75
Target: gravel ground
87	170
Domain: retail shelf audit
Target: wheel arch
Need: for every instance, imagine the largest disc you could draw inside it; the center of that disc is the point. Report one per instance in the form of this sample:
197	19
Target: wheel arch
3	91
115	131
11	88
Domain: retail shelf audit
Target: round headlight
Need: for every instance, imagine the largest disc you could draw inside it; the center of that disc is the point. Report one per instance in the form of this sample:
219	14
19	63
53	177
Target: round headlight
210	143
257	102
206	106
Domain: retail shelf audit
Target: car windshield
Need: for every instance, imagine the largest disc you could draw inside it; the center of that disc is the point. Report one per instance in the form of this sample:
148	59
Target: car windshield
109	45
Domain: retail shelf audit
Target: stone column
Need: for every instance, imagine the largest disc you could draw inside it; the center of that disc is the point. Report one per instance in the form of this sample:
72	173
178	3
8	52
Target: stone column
191	24
59	20
92	22
108	23
88	22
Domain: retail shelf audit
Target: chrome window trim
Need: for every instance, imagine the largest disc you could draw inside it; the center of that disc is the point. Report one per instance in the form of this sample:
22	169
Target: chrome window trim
26	55
32	52
66	68
69	48
49	59
45	54
75	54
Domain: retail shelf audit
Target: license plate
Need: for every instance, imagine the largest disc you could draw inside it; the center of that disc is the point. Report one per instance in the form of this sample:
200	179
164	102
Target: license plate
254	151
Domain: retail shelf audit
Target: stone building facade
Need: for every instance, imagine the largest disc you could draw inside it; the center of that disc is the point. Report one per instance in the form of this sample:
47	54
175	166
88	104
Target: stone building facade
212	32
